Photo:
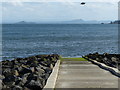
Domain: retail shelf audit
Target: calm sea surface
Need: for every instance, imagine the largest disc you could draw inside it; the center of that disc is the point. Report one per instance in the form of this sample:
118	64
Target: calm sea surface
68	40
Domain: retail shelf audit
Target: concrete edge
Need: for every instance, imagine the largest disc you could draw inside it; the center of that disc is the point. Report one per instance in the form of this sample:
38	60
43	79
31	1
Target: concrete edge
50	84
114	71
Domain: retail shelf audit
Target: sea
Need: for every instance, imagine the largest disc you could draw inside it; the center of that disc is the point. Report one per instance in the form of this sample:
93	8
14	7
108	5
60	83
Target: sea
67	40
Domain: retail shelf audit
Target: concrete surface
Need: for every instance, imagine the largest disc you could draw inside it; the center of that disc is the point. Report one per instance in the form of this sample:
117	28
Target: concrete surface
113	70
84	74
50	85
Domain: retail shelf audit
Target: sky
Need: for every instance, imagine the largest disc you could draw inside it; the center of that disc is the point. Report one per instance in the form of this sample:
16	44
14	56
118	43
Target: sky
44	11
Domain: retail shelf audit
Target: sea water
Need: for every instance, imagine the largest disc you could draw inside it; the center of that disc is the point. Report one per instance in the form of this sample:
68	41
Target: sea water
68	40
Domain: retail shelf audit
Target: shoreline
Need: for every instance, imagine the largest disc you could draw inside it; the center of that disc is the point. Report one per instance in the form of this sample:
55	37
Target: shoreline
34	71
35	55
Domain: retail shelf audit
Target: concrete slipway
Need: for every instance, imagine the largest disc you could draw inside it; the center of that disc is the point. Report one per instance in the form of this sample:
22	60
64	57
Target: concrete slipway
84	74
80	74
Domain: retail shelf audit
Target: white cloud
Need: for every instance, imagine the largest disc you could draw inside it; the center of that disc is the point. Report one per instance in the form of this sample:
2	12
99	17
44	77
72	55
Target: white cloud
60	0
4	8
16	3
29	9
64	10
69	3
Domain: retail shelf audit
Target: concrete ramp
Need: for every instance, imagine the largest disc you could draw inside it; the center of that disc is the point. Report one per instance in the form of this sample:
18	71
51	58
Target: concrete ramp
84	74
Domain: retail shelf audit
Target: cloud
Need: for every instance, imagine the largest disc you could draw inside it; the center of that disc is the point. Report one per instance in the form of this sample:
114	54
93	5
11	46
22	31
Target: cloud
62	10
17	3
4	9
60	0
29	9
69	3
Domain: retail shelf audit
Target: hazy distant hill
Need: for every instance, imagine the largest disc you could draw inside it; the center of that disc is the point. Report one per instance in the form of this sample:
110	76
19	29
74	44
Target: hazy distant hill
24	22
76	21
115	22
80	21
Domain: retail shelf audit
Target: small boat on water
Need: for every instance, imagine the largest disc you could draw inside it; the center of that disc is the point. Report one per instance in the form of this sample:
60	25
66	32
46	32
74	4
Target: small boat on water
83	3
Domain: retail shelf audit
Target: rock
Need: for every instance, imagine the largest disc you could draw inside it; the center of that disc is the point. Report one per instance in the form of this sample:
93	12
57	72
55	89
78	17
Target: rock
15	62
0	84
44	64
24	79
46	76
48	70
40	70
114	59
20	60
8	63
51	66
111	60
25	70
32	77
32	69
25	88
99	60
17	66
2	77
105	58
9	80
18	80
44	82
34	85
34	64
27	73
6	72
15	72
28	62
17	88
24	66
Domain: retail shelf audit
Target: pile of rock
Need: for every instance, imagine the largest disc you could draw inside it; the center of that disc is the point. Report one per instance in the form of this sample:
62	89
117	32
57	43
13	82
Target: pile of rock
27	73
112	60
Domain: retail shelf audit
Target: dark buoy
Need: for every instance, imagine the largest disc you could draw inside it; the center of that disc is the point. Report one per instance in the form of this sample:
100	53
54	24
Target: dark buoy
83	3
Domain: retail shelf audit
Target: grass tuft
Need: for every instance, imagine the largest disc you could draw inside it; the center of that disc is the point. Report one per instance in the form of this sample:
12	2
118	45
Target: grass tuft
73	59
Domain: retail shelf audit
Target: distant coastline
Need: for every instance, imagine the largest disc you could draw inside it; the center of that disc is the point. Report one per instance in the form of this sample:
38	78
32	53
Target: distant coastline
115	22
75	21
